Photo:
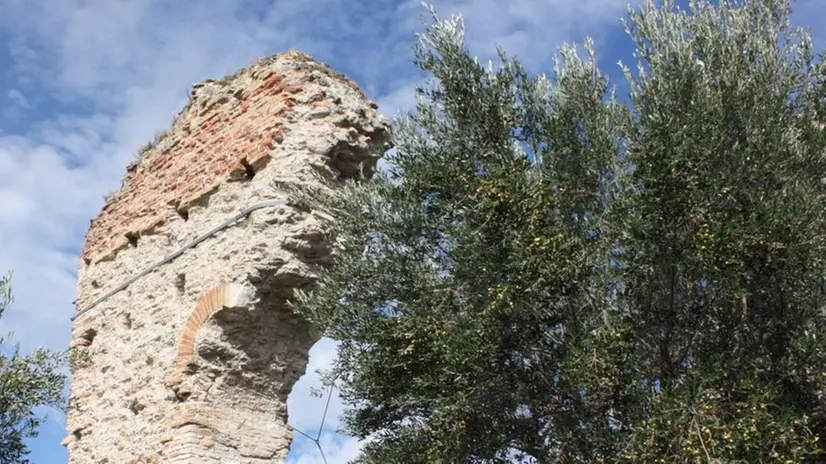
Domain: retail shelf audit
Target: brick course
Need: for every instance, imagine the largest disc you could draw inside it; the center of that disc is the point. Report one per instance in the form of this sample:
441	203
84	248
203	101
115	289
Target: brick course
212	142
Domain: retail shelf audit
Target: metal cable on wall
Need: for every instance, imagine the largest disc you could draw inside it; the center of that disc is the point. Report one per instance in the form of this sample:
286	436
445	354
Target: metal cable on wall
231	221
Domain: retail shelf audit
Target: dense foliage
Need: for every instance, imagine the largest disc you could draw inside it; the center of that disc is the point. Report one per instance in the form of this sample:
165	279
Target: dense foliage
26	383
549	274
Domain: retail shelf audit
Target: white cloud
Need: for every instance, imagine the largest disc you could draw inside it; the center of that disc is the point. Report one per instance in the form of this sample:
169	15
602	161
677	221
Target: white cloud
312	408
18	98
401	99
337	449
94	79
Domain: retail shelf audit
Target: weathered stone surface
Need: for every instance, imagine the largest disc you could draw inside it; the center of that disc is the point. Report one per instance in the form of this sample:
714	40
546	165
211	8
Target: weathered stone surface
193	362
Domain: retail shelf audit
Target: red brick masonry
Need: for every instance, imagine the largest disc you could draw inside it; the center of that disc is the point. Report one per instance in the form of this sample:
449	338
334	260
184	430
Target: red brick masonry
221	135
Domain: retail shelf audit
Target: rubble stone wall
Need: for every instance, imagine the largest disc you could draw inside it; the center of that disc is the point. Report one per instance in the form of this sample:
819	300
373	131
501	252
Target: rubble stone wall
193	362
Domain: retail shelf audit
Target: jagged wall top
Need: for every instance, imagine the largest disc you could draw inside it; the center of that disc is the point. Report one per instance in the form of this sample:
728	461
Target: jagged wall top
224	134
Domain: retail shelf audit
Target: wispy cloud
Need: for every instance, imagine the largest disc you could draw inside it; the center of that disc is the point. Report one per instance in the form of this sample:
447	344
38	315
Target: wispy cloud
86	82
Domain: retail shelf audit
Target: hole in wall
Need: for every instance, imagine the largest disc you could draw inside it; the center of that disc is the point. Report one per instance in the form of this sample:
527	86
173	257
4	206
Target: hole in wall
180	283
191	367
136	407
181	211
89	335
249	171
132	238
181	394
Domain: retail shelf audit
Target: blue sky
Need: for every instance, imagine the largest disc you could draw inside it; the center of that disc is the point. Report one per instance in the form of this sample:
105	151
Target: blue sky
84	83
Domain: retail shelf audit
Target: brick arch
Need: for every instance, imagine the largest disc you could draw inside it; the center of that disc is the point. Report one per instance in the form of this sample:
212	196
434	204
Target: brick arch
222	296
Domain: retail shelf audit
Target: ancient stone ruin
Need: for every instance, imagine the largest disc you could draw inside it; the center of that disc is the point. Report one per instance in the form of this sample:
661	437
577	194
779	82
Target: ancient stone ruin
191	360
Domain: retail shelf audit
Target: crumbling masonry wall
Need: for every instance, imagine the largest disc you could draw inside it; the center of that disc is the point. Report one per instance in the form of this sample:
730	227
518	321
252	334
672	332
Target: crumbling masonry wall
193	362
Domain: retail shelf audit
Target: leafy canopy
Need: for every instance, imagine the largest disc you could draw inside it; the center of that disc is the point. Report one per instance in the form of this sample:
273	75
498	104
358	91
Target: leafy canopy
547	274
26	383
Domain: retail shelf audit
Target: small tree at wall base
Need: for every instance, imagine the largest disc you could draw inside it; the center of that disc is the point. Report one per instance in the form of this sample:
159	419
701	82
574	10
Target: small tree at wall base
547	275
26	382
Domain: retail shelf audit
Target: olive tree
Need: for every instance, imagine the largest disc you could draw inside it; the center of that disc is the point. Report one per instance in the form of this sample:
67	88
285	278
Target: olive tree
549	273
27	382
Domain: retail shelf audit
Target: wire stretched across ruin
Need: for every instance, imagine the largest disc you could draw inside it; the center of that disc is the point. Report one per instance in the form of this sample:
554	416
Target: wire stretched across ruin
317	439
241	214
227	223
